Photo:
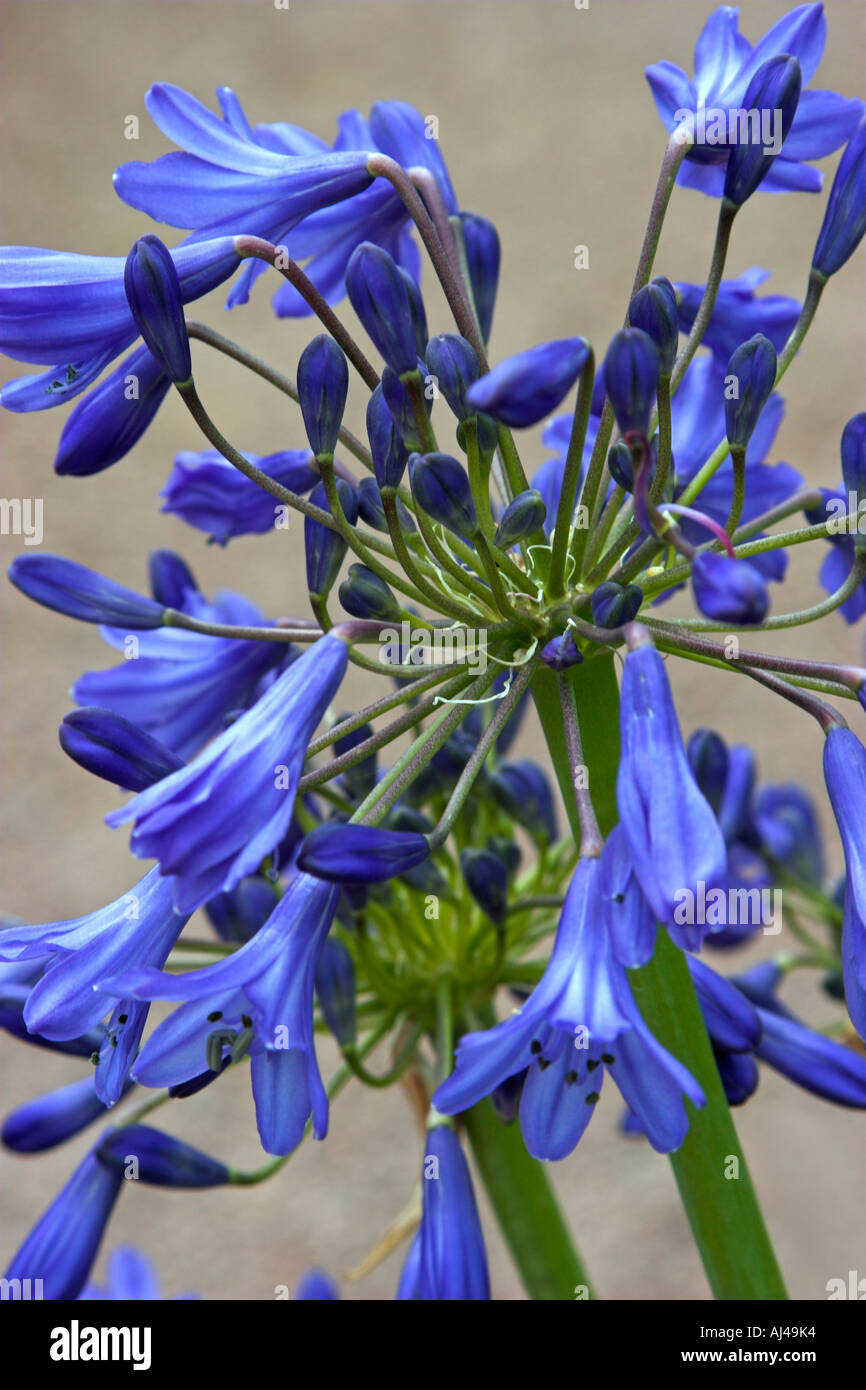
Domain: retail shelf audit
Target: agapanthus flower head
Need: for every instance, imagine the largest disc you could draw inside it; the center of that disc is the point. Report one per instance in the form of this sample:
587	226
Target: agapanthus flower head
729	590
773	91
209	493
631	374
254	767
323	385
752	373
447	1261
654	309
524	388
845	219
62	1246
155	299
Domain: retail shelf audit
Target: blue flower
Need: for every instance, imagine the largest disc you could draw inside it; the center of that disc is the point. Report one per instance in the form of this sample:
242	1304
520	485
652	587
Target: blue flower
260	998
209	493
213	822
181	686
580	1020
673	837
137	929
725	63
132	1277
71	311
447	1261
845	775
109	746
524	388
62	1246
738	313
269	180
160	1159
729	590
70	588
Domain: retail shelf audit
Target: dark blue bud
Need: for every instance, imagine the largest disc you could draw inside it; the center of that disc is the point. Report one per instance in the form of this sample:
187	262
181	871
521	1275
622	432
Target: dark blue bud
506	850
153	1157
170	578
631	373
525	793
520	518
614	605
853	449
386	443
487	880
51	1119
561	652
109	746
325	550
621	464
365	595
708	757
323	385
237	914
397	400
845	219
359	780
487	433
729	591
417	311
654	309
360	853
372	511
153	292
335	988
454	364
378	294
483	256
739	1073
82	593
526	387
774	88
753	369
441	489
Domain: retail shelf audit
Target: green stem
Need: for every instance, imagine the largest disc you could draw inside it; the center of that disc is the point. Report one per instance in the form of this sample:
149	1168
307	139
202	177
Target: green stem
526	1208
726	1220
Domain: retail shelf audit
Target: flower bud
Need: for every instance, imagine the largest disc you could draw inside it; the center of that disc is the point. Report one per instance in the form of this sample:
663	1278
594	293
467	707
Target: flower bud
323	385
335	989
454	364
365	595
487	880
614	605
237	914
853	449
51	1119
753	369
526	387
325	549
482	257
360	853
524	791
845	218
170	578
154	295
631	373
371	509
520	518
386	443
654	309
506	850
109	746
487	432
417	311
708	758
561	652
159	1159
730	591
441	489
378	294
774	88
398	402
82	593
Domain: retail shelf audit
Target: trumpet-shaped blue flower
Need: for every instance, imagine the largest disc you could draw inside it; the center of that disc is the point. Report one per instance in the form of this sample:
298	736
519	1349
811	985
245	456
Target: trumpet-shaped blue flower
213	822
447	1261
725	64
209	493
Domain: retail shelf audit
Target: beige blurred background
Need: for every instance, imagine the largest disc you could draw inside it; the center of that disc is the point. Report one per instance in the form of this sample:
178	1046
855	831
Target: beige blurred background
549	129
